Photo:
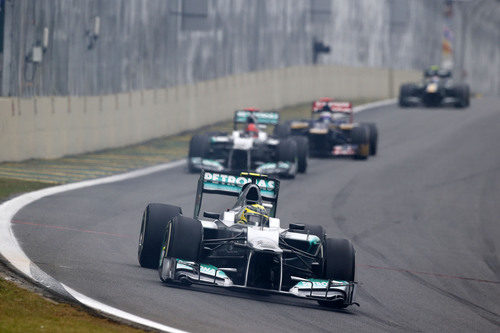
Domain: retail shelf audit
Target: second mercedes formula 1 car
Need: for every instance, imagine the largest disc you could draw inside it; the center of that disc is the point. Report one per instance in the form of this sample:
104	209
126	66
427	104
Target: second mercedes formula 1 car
245	246
249	148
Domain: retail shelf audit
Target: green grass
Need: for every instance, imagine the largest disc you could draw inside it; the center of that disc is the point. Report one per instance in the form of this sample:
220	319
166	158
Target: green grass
25	311
10	187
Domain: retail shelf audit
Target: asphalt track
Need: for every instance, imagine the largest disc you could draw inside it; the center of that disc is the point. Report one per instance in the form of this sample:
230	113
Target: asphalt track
423	216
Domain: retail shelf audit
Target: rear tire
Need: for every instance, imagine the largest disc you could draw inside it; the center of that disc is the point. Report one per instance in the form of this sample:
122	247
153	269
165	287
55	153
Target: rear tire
340	264
154	221
302	152
198	147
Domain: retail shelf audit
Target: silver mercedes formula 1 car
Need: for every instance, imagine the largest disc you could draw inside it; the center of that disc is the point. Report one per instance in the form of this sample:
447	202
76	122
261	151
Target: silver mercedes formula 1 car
249	147
245	245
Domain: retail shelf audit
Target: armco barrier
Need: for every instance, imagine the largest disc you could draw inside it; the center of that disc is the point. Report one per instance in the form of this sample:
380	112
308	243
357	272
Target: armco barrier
51	127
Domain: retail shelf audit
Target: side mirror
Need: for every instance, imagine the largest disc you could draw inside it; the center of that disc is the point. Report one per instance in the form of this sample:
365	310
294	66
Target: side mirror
296	226
211	215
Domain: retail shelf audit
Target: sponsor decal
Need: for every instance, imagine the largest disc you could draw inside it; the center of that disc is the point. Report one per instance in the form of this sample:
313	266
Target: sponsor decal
261	117
211	270
239	181
318	284
344	150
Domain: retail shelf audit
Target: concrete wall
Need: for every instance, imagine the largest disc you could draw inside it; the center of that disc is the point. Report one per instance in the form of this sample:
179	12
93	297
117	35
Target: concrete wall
477	44
49	127
150	44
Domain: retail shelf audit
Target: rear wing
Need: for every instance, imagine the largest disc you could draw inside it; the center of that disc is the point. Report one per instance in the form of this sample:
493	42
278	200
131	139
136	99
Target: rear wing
232	183
334	107
260	117
345	107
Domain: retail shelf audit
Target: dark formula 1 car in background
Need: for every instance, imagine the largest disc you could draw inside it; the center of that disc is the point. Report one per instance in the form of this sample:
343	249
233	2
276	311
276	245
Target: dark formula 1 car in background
249	148
245	246
331	131
436	89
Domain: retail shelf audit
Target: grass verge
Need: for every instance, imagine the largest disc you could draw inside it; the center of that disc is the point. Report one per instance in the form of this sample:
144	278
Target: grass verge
11	187
24	311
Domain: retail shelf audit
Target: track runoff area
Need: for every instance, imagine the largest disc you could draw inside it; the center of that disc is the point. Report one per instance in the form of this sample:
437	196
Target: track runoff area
419	214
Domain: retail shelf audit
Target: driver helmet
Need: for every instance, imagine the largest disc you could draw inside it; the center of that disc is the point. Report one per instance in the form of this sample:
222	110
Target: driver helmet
252	127
254	215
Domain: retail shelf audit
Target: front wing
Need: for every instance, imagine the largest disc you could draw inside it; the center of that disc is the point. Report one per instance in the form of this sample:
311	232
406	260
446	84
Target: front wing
271	168
314	289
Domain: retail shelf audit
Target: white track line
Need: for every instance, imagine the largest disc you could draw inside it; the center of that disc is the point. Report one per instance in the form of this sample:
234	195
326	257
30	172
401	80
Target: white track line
12	251
374	105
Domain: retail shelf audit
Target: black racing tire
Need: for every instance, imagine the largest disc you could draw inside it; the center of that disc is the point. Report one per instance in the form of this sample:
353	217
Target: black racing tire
302	152
287	152
282	130
372	137
405	90
359	136
198	147
154	221
339	264
462	94
182	238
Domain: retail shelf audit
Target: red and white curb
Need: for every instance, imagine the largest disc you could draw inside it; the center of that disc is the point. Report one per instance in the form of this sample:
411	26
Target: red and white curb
14	254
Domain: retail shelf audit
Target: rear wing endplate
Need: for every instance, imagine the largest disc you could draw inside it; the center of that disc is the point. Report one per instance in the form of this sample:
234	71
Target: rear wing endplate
232	183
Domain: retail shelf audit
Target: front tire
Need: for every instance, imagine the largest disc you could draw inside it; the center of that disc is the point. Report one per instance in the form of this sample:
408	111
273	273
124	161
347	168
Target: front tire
287	152
462	95
372	137
154	221
339	264
359	137
405	91
182	238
